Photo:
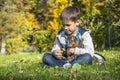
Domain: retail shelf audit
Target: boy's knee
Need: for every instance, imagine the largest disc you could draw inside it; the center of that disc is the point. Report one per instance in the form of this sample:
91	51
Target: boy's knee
88	58
46	57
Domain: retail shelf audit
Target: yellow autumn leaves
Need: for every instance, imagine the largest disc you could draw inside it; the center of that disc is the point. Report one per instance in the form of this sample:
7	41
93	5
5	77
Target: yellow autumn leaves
54	24
31	22
52	16
90	7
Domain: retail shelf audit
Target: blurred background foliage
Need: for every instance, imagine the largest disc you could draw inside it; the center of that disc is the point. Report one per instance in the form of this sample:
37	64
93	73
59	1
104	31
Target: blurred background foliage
30	25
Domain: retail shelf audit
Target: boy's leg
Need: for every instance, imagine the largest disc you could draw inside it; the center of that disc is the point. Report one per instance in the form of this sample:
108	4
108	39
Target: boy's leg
82	59
49	59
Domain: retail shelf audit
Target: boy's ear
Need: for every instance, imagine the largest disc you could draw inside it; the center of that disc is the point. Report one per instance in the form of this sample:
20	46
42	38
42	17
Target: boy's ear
77	22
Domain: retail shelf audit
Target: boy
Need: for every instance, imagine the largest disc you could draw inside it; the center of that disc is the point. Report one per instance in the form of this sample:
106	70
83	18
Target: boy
73	43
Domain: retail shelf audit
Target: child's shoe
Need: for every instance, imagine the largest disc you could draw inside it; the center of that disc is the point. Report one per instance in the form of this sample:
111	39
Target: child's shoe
67	65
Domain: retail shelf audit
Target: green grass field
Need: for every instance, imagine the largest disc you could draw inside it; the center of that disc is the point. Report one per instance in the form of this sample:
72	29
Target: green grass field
30	67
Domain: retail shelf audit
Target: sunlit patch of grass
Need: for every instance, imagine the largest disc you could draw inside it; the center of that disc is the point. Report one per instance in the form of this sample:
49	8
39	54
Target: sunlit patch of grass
30	67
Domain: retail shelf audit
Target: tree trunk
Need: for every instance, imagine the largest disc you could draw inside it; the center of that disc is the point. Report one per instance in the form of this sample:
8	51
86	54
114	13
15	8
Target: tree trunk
109	37
3	46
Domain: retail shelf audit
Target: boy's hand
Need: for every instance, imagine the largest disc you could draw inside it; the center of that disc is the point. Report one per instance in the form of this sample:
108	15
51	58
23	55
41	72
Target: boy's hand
70	51
58	54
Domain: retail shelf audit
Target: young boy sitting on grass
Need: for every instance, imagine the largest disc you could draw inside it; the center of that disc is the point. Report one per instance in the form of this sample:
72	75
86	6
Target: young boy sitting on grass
73	43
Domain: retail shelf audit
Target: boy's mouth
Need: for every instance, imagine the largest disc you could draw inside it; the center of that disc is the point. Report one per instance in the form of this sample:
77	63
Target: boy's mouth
68	32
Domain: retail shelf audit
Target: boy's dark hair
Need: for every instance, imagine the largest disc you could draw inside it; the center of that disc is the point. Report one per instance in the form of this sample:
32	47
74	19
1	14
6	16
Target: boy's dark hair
70	13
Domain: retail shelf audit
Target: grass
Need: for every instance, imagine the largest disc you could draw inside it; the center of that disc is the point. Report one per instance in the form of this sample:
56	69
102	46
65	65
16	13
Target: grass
30	67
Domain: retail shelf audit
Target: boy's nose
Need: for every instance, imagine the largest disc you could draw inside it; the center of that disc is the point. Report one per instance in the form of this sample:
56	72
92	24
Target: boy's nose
65	27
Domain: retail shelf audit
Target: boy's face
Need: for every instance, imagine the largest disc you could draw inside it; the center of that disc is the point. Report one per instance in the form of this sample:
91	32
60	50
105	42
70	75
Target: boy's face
70	27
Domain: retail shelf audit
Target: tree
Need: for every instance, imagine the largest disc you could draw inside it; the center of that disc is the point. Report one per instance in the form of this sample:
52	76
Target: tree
102	18
10	23
54	13
48	12
16	19
111	18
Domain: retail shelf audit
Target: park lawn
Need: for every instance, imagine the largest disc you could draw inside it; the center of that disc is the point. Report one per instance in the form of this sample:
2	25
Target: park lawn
30	67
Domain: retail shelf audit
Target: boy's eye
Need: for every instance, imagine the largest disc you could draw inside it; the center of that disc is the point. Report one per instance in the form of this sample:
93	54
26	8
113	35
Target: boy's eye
66	25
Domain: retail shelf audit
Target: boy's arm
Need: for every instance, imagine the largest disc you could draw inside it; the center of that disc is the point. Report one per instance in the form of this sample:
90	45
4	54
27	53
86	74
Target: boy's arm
56	50
56	46
59	42
88	45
